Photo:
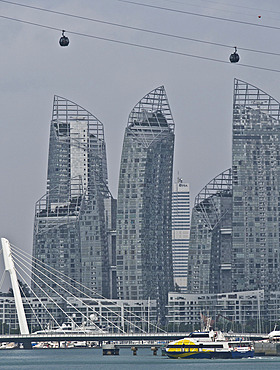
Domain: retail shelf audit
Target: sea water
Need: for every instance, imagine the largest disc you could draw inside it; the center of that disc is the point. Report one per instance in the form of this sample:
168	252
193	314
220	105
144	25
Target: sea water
92	358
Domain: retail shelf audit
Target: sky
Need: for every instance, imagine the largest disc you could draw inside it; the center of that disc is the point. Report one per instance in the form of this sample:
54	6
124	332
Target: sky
109	78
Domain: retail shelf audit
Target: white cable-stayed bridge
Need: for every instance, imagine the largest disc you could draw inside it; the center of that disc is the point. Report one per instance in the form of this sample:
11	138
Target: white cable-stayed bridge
58	314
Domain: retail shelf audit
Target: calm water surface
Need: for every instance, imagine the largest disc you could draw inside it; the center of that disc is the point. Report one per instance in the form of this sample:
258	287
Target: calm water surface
64	359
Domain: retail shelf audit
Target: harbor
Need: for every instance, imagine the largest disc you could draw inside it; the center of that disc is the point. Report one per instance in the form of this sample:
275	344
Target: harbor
64	359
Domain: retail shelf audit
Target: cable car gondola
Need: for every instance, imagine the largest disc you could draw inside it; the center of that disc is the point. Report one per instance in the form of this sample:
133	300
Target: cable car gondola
64	40
234	57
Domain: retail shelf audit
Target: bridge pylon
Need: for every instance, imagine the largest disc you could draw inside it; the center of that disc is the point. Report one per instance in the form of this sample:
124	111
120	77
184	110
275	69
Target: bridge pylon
10	267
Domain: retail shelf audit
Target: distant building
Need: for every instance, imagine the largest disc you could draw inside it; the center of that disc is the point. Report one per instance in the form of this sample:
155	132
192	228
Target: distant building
180	233
110	219
70	232
256	189
209	262
235	227
144	235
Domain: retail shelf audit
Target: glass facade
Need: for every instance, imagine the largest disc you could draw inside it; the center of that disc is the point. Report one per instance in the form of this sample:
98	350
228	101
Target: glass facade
70	231
144	245
256	186
209	262
180	233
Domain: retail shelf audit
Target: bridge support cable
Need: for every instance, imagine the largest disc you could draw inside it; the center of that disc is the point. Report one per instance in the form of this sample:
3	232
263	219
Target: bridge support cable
19	261
10	267
50	287
63	298
20	264
62	278
31	307
59	274
27	301
86	296
39	299
46	294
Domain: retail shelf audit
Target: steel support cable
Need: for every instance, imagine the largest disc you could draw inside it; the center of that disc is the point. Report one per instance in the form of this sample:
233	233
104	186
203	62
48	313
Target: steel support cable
86	305
140	29
83	286
60	286
191	4
47	293
58	273
15	258
41	302
42	264
232	11
27	301
200	15
77	298
142	46
18	258
234	6
32	291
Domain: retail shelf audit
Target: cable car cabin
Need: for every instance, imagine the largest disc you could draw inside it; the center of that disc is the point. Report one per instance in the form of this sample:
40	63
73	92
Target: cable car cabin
234	57
64	40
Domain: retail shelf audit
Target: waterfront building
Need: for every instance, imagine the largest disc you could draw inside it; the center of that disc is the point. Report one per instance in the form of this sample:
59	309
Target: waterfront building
180	233
110	315
39	312
70	233
144	235
256	189
273	308
236	311
209	262
116	315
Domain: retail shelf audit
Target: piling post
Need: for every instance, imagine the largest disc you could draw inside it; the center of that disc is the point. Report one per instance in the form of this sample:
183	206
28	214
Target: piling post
154	349
134	350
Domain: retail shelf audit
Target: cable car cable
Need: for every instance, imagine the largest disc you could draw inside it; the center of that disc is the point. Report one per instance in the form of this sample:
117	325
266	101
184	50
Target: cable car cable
231	5
140	46
240	10
199	15
143	29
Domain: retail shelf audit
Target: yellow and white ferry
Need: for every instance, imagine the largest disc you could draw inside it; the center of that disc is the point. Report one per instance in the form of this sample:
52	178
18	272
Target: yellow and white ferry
208	344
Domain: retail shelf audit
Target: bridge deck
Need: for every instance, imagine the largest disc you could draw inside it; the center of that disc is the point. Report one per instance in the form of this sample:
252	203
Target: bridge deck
110	337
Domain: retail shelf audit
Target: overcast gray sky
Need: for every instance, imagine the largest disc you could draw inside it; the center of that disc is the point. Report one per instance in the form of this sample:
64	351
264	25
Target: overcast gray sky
108	79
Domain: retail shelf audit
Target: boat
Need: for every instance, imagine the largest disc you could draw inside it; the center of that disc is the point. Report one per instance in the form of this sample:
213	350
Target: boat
208	344
242	349
269	346
72	328
274	335
8	345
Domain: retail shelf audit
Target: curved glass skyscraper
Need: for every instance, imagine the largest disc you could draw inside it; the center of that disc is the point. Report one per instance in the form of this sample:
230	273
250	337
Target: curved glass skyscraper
144	239
209	262
69	229
256	189
253	259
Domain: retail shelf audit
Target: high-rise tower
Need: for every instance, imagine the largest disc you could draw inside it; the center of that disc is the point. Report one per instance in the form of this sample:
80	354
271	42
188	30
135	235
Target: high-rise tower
144	245
209	262
180	233
256	189
70	227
